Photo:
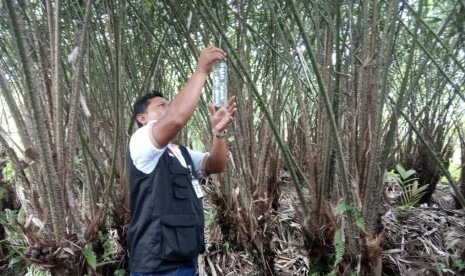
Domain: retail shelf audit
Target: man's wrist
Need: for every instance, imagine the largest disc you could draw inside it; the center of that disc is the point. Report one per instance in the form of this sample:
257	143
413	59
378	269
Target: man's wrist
219	134
201	69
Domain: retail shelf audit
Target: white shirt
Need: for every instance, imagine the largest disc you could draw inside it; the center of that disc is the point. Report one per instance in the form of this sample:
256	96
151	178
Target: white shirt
145	155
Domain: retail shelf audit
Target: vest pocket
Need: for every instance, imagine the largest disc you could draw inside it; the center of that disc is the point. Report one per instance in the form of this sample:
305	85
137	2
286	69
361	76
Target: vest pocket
180	237
181	187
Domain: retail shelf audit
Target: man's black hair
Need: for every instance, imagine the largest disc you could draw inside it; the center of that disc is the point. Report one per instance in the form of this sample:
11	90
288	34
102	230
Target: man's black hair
140	106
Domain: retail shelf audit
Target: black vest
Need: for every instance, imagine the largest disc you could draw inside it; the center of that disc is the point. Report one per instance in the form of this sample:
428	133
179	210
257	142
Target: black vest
167	221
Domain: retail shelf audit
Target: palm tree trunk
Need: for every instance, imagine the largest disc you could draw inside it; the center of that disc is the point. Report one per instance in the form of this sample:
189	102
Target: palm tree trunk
41	136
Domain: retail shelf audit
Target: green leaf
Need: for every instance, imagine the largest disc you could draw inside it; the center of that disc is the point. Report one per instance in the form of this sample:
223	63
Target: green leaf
11	216
108	248
411	193
210	218
341	208
408	181
400	170
339	246
8	171
119	272
403	173
2	192
90	257
14	261
76	160
458	264
360	222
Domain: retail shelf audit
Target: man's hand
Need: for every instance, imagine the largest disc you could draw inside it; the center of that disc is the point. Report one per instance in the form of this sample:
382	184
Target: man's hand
220	119
223	116
207	58
186	101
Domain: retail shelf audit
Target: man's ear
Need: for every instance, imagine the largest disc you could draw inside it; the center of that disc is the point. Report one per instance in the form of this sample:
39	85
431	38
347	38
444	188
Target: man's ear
141	118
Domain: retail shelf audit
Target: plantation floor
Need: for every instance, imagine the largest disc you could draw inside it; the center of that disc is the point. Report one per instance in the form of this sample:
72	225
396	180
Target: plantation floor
419	241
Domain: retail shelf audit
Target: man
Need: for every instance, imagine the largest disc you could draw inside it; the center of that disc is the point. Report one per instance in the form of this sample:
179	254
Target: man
166	233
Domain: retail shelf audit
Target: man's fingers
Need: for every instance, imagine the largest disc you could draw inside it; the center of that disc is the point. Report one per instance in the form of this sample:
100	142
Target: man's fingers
233	112
211	109
218	53
231	107
231	101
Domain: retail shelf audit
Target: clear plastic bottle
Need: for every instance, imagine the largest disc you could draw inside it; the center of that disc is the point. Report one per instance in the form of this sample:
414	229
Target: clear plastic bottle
220	83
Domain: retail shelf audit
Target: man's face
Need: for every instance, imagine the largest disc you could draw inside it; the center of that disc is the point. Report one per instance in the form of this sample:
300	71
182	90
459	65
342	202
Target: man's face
155	110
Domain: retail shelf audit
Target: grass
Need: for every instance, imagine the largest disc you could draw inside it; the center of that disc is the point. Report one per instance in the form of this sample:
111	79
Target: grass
454	170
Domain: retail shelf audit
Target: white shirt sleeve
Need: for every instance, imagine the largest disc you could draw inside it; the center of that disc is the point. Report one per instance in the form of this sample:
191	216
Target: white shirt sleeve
197	159
144	154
